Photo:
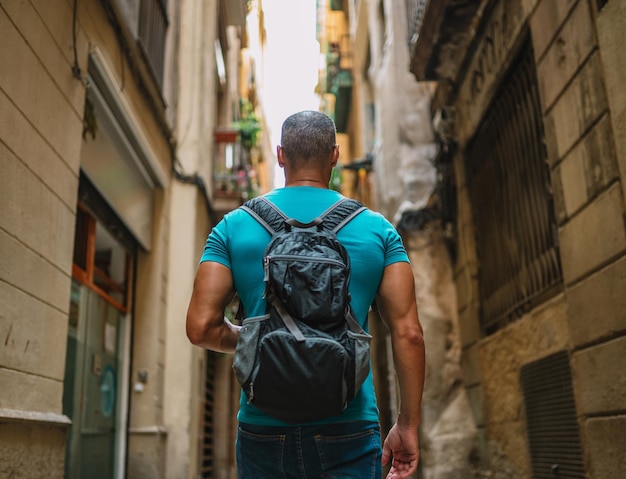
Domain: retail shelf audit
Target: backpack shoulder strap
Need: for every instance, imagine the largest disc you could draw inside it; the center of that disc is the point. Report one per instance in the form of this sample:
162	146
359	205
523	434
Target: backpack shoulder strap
342	212
273	219
266	213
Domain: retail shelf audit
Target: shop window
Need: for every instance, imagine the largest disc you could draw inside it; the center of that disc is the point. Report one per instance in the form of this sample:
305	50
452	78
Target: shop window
509	186
98	354
100	261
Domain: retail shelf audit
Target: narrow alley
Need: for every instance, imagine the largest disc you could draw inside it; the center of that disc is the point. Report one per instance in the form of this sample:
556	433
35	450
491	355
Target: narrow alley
490	133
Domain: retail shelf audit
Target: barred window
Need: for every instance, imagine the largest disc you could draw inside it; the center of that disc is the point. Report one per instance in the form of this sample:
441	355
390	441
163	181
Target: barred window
414	15
509	188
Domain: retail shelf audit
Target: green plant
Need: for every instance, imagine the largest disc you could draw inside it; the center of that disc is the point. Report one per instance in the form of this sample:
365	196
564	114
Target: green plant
248	125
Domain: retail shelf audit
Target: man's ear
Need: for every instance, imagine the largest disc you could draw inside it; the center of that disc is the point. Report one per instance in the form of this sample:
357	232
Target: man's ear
280	157
335	157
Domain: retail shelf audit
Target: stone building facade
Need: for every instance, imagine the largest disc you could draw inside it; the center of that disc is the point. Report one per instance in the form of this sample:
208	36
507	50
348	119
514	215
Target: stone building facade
530	113
387	126
113	115
518	245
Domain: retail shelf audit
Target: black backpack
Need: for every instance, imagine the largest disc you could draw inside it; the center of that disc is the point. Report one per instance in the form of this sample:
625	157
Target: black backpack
307	357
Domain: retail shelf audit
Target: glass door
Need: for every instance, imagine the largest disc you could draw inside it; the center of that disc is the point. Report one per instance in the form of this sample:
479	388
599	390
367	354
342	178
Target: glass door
95	388
92	394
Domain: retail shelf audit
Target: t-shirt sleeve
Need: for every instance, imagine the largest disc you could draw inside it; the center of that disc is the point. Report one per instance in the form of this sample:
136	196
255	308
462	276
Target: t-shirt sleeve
395	252
215	248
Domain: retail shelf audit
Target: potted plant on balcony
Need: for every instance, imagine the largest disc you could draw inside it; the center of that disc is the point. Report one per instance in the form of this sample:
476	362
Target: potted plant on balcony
248	125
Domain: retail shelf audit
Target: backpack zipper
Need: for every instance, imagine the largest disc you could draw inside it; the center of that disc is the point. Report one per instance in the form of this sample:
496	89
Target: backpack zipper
266	268
287	257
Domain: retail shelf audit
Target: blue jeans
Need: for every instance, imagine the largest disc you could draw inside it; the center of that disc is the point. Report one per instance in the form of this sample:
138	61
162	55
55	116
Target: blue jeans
349	450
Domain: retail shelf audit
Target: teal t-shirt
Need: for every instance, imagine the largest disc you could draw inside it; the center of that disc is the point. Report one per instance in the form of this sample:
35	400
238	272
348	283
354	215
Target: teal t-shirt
239	241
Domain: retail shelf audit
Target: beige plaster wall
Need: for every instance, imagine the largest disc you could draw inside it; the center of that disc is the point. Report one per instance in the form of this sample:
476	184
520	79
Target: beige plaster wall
146	441
183	363
41	106
40	133
189	225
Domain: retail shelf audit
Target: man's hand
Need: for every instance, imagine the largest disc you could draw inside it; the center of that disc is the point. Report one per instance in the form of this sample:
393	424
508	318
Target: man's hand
401	445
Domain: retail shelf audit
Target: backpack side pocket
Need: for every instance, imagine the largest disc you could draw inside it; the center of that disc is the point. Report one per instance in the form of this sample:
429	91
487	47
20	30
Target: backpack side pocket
361	357
245	351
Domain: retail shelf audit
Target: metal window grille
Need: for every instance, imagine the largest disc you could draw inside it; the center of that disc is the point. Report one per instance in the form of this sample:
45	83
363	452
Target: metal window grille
509	187
553	432
152	27
414	14
208	433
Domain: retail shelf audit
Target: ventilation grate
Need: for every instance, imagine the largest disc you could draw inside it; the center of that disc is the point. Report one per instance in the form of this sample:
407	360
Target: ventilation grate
208	433
551	419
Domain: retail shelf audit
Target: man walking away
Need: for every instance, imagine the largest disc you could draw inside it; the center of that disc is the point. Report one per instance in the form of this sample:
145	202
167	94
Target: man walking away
346	445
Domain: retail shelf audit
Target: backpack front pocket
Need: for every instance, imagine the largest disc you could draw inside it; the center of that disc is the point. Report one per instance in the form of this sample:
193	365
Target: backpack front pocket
300	381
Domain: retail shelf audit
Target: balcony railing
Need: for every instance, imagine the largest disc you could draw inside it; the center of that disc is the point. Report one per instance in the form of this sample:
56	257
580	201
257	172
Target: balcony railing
234	176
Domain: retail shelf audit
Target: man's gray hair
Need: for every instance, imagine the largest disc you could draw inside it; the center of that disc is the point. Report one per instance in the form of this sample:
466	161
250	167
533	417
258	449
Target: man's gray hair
308	135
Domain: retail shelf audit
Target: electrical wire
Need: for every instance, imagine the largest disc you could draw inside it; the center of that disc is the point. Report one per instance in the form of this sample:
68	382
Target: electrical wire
76	71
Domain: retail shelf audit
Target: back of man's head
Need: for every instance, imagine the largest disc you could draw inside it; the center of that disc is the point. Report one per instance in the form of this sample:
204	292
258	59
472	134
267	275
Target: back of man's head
308	135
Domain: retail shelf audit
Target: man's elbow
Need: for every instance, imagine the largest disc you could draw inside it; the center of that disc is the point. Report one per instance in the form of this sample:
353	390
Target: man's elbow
195	333
413	336
194	337
416	338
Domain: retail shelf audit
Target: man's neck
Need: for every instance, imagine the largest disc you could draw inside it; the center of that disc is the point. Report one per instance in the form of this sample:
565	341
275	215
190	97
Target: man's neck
316	183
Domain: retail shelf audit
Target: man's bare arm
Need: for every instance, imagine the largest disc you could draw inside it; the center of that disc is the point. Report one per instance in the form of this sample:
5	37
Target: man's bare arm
398	308
207	327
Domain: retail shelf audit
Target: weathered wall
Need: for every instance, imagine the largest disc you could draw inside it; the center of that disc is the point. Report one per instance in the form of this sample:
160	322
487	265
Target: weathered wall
404	143
584	105
610	24
448	428
42	458
404	182
578	65
501	427
500	358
